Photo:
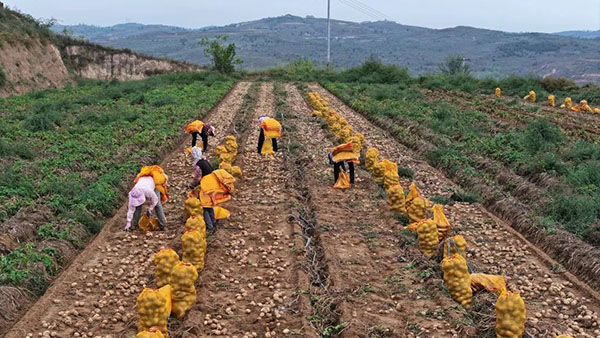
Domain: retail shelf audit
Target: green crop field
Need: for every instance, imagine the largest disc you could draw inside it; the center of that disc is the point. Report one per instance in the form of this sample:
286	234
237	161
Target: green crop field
70	154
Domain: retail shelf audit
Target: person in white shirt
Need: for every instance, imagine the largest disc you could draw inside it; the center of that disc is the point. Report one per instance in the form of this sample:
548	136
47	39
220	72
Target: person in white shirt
144	190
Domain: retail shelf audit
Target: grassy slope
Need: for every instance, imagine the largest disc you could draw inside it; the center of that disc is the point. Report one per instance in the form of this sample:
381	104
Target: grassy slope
73	152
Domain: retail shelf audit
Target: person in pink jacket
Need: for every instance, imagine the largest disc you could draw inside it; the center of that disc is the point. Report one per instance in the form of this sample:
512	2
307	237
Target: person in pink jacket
144	191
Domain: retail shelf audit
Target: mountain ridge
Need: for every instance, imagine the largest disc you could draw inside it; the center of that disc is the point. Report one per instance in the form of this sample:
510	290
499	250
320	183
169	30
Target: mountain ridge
268	42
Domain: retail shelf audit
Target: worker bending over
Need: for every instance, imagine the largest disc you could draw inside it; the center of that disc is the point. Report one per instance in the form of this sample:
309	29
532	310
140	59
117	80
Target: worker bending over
199	128
270	130
150	186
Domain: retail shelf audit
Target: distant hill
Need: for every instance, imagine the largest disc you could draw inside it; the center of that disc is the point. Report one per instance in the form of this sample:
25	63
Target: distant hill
271	41
581	34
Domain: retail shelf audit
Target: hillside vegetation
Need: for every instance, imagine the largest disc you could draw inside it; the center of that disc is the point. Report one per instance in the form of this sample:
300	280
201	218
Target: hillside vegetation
479	137
272	41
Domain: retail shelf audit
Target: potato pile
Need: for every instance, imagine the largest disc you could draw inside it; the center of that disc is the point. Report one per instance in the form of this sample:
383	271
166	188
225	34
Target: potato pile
183	278
510	315
193	243
457	279
428	238
164	260
154	308
227	154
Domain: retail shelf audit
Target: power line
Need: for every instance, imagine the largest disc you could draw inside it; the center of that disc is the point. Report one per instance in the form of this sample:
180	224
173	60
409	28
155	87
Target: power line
371	9
362	10
365	9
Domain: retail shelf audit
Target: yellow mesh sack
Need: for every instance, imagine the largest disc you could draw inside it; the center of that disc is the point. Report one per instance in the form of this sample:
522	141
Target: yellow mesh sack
379	172
149	224
221	213
441	221
416	210
193	207
195	223
194	248
164	261
551	100
510	315
390	176
498	92
458	279
396	196
183	278
154	308
568	103
267	147
459	241
531	97
428	238
151	333
491	283
231	144
371	157
343	181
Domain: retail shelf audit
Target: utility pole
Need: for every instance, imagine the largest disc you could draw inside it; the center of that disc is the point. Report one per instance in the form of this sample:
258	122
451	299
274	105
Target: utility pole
328	33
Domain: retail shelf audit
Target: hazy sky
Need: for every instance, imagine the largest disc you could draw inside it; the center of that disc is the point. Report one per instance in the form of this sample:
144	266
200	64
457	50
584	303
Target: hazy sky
507	15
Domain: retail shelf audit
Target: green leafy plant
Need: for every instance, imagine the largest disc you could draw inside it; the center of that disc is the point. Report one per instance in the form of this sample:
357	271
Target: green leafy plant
223	57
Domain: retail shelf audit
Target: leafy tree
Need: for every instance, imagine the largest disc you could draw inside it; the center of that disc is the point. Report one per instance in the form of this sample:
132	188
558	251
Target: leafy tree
455	64
223	57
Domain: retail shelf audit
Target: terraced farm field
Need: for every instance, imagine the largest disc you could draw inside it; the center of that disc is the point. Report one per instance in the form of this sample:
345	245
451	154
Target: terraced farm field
298	258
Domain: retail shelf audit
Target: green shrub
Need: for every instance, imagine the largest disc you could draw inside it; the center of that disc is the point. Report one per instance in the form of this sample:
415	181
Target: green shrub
406	172
3	79
541	136
465	197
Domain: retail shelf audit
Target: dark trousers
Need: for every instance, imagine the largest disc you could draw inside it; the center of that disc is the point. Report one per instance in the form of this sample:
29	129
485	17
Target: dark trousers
261	140
209	218
336	171
203	136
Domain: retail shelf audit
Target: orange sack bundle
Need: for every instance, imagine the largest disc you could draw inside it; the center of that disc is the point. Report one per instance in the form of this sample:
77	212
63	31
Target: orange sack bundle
271	128
159	177
345	152
194	127
216	188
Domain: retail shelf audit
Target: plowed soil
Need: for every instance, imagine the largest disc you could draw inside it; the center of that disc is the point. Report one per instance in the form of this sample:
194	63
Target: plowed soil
300	259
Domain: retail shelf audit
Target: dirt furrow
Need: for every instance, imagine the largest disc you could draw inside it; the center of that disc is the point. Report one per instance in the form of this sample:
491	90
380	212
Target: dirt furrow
556	301
249	286
95	296
380	292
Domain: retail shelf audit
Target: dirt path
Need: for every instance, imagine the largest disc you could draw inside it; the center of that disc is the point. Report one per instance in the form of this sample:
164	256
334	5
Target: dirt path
556	301
249	285
95	296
